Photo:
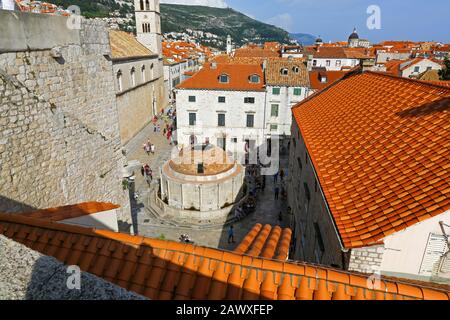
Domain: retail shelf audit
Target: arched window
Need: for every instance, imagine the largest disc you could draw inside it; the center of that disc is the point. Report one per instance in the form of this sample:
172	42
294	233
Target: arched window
296	69
142	5
119	80
147	5
133	76
143	28
143	73
254	78
284	72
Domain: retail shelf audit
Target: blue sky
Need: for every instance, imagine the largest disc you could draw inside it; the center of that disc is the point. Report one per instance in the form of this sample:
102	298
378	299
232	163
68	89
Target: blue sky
334	20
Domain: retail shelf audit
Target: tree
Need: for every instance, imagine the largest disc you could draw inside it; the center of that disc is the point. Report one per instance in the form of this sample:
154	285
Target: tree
444	74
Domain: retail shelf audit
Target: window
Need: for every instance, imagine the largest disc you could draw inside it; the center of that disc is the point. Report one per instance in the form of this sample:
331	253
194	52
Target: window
143	73
274	110
297	91
192	119
119	81
328	62
250	120
284	72
254	78
221	120
307	192
338	63
142	5
222	99
192	99
296	69
147	5
273	127
249	100
319	246
434	251
300	165
224	78
429	68
276	91
416	69
314	63
133	76
234	140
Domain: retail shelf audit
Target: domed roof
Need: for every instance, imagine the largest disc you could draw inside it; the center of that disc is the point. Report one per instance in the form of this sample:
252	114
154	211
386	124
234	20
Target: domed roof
319	40
202	160
354	35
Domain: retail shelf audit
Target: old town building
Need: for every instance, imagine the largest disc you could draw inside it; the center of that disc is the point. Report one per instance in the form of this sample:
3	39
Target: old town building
369	178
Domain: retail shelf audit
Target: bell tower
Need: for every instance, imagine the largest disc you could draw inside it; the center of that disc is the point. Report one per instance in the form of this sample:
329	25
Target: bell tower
148	24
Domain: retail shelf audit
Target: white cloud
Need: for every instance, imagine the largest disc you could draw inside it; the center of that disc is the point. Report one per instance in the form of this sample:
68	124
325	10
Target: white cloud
206	3
284	21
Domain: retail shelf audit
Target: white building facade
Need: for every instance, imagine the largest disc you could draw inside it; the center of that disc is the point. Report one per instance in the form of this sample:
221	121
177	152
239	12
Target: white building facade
227	118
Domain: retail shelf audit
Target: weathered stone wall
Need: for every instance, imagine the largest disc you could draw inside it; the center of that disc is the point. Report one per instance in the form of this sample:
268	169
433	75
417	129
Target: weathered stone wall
306	214
59	133
367	259
28	275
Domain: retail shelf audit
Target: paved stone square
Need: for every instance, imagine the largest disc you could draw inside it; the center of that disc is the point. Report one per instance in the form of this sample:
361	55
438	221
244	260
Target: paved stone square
267	209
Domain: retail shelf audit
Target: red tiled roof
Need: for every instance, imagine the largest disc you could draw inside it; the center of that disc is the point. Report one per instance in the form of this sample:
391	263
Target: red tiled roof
71	211
167	270
239	74
267	242
381	149
332	77
256	53
328	52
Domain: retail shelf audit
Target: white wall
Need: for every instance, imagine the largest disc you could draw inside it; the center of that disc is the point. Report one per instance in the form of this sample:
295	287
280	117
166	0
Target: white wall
404	250
106	220
207	109
423	65
322	63
285	100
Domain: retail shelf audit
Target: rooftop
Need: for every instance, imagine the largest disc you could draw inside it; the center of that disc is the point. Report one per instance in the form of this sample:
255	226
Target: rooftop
381	148
125	45
71	211
166	270
316	76
296	73
214	160
238	78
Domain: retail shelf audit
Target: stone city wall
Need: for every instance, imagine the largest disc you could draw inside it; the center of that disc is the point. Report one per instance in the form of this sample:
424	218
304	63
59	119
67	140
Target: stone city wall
59	132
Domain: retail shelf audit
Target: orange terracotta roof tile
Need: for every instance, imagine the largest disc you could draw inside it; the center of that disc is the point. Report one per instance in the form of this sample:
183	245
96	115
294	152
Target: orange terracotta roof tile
331	77
256	53
70	211
166	270
266	242
371	135
239	78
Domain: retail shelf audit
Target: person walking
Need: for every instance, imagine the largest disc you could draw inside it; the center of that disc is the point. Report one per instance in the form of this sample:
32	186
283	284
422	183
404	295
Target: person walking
275	177
231	235
281	174
280	217
152	149
277	192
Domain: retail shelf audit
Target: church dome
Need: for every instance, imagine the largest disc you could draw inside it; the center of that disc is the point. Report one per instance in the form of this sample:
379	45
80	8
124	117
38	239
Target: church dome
354	35
319	40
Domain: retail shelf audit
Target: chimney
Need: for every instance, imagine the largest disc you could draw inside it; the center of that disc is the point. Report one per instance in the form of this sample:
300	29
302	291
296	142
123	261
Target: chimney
368	64
213	65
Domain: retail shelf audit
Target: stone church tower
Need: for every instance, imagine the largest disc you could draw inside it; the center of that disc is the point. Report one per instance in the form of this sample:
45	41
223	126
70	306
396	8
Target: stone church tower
148	24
